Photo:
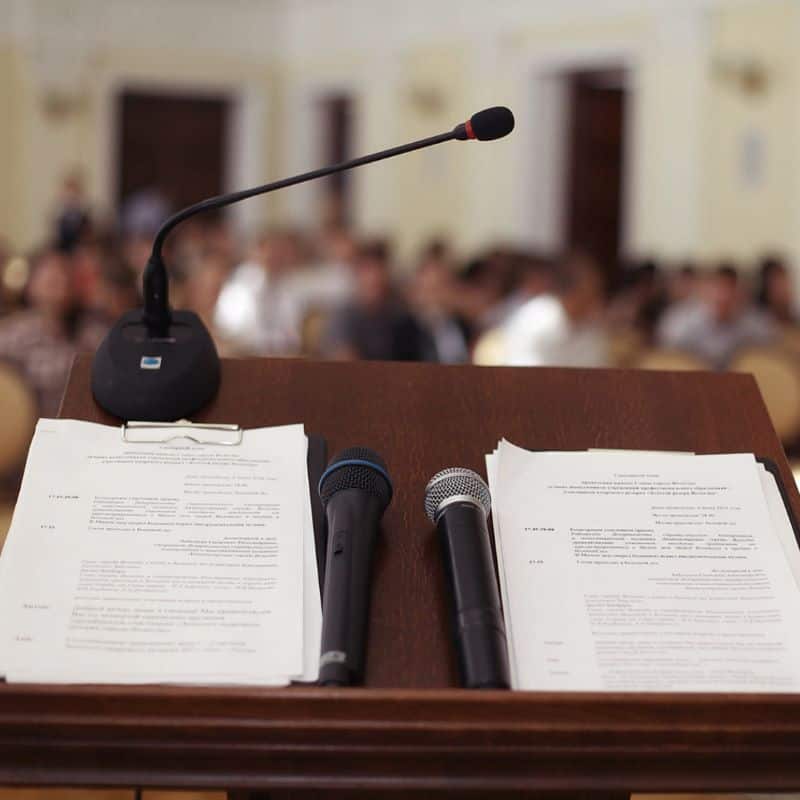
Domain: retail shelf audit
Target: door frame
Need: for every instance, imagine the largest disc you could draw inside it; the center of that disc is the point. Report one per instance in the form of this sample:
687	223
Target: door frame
305	147
245	141
543	150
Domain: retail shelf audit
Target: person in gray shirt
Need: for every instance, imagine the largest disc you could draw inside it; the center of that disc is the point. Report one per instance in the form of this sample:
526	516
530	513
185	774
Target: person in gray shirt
717	323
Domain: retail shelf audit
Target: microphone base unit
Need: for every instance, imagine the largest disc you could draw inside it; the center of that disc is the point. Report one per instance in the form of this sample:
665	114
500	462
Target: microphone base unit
139	376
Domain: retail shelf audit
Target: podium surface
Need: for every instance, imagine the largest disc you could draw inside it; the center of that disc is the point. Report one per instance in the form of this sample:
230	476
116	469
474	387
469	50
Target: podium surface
410	727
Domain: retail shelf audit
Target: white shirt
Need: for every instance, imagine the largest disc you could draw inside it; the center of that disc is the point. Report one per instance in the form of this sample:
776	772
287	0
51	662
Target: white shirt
258	312
540	333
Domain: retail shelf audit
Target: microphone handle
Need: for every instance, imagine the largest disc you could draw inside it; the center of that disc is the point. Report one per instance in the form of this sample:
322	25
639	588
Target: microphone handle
353	516
476	617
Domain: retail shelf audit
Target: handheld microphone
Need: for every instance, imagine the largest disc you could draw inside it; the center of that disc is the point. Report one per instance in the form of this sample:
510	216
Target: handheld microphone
156	364
458	502
355	490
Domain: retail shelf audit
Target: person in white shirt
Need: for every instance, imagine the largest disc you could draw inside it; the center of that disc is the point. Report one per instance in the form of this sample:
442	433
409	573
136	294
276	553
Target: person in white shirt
258	311
561	328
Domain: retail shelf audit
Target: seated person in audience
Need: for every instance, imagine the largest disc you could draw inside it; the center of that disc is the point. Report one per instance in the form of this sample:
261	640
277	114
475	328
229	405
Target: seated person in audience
432	297
115	292
481	295
326	281
39	339
203	285
536	276
561	328
258	311
774	295
503	271
682	284
641	299
375	325
716	324
72	219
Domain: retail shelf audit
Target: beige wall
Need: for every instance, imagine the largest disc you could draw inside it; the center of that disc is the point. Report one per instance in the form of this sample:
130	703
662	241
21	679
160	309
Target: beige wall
687	192
745	215
46	145
14	148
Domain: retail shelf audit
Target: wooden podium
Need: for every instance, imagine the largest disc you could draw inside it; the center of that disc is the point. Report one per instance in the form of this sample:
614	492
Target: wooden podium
410	728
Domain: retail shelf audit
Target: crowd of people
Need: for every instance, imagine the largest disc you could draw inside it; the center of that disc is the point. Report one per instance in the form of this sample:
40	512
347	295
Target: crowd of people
335	295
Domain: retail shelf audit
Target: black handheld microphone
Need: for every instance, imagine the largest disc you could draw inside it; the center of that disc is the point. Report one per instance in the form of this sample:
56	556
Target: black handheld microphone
458	501
355	490
157	364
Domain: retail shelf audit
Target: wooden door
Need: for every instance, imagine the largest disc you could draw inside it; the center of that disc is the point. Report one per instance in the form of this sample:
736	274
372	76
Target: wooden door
595	166
174	143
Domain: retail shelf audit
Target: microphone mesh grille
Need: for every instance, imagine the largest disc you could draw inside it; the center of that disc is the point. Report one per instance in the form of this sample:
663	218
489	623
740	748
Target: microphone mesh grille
356	476
452	482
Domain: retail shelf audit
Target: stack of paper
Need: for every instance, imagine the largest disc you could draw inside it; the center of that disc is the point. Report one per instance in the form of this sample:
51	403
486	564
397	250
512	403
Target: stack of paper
161	561
630	571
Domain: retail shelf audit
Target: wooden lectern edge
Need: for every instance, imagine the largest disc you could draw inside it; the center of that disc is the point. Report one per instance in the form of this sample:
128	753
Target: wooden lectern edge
393	739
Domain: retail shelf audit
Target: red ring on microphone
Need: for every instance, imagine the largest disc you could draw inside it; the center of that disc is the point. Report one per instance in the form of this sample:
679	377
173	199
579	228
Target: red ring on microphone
468	128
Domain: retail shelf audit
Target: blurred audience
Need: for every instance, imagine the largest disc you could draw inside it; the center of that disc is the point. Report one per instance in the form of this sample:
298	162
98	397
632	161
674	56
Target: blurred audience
72	218
432	296
259	311
717	322
640	300
335	295
376	324
774	294
39	338
561	327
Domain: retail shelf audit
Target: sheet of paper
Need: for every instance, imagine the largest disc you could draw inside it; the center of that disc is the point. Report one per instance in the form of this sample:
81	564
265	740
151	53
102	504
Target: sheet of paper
780	522
172	562
491	474
312	600
644	573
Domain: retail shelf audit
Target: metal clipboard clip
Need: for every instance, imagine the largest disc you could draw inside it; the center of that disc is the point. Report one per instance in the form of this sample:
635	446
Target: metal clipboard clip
198	432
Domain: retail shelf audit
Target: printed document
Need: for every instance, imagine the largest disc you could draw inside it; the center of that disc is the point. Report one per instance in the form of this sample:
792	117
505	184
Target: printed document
624	571
155	562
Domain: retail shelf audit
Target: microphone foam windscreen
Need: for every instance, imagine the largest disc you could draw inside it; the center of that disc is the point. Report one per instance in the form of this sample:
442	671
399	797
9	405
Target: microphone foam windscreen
356	468
492	123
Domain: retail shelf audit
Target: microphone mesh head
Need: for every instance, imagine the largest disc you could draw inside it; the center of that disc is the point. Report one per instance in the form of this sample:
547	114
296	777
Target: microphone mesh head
456	482
356	468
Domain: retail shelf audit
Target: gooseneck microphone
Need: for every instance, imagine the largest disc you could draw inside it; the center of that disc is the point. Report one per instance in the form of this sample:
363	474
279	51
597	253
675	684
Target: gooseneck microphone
458	502
355	490
156	364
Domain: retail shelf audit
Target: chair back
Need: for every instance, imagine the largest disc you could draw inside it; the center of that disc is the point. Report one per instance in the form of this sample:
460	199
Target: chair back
777	373
18	412
669	360
625	346
490	349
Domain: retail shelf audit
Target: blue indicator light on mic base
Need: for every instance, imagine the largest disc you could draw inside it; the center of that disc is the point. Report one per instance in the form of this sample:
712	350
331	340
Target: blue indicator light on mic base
150	362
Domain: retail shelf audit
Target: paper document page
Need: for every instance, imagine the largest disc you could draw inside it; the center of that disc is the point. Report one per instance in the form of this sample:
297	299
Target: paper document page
643	572
174	561
780	522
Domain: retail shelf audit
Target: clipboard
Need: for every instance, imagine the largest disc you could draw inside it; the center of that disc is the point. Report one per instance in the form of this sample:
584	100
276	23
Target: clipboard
231	435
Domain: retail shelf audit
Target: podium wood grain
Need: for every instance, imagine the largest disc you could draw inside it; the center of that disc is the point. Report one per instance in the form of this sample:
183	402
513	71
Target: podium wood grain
410	728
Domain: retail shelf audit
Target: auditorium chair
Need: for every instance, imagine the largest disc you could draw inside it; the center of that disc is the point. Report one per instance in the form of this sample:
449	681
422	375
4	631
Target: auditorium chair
668	359
777	373
17	420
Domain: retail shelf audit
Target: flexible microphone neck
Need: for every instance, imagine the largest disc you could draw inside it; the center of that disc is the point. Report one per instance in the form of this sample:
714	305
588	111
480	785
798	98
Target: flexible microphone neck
156	292
491	123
